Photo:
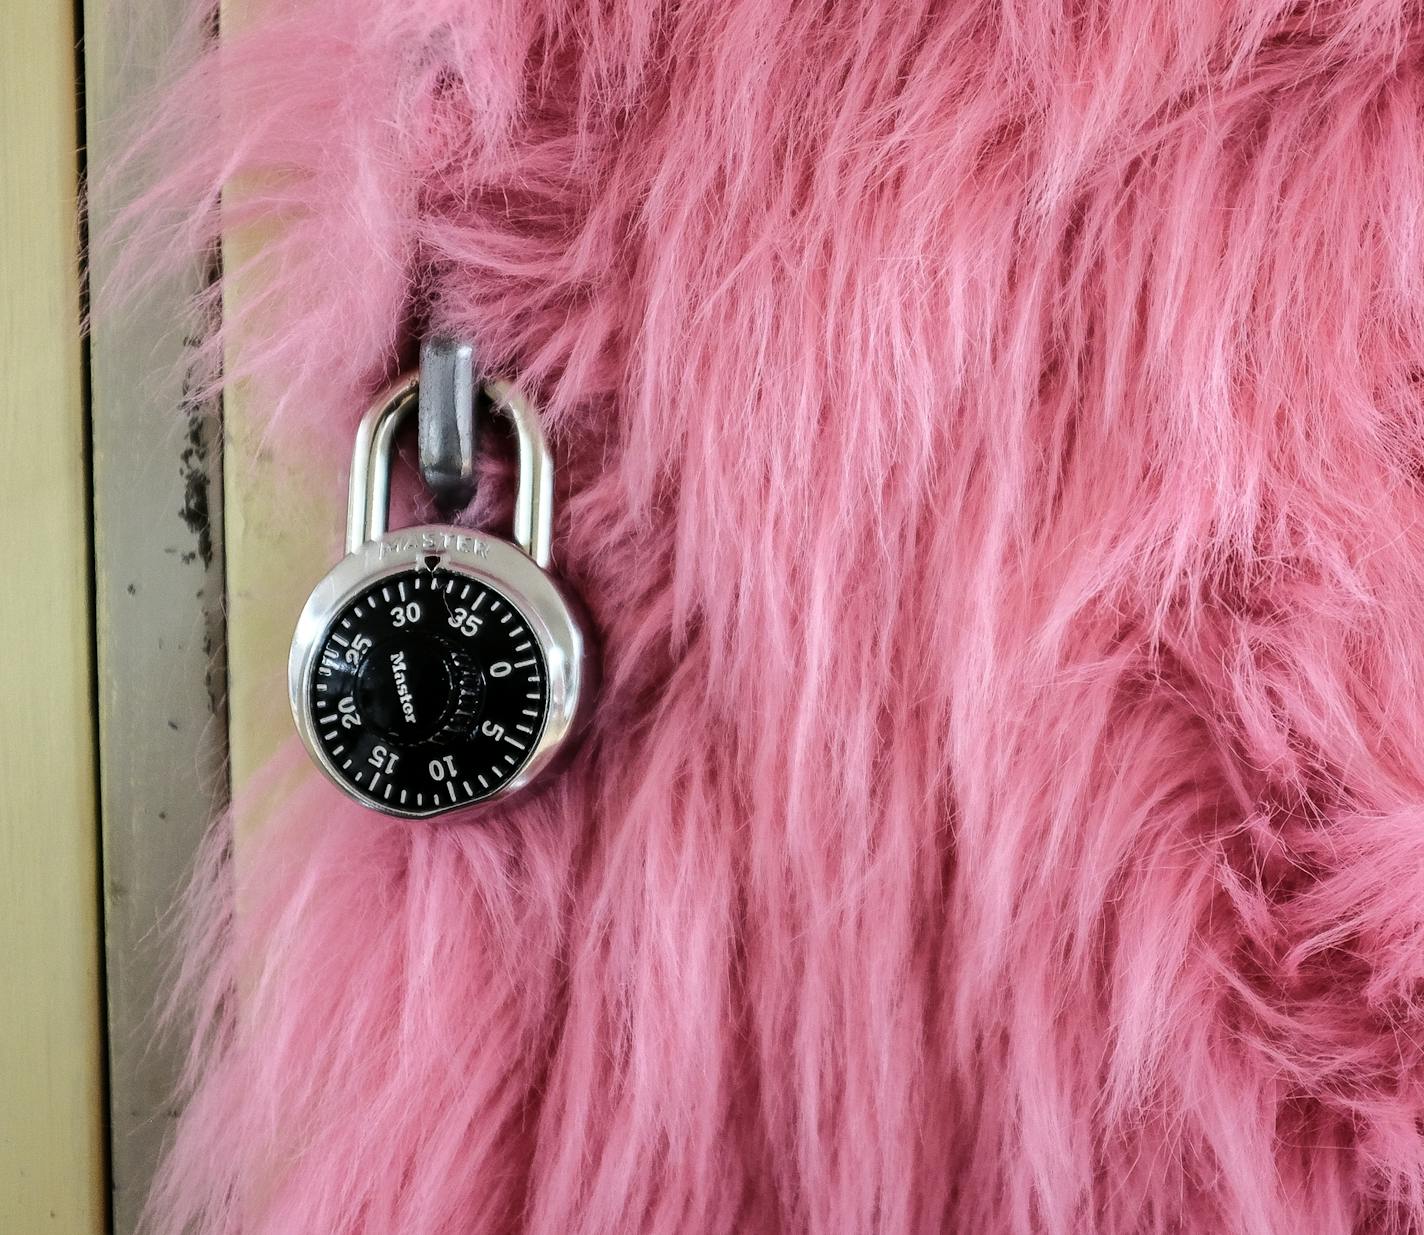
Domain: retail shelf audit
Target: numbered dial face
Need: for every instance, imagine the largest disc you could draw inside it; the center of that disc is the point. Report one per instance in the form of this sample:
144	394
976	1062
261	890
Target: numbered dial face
429	693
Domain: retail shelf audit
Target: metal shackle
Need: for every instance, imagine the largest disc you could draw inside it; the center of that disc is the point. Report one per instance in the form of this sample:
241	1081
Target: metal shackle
369	496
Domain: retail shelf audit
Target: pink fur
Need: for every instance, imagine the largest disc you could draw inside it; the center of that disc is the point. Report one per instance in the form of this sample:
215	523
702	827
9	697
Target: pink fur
992	452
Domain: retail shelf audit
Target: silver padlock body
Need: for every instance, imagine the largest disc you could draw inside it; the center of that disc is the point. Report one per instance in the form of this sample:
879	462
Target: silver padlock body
357	697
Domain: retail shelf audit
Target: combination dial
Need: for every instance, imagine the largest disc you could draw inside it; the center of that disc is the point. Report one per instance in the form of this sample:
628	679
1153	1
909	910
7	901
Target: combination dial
430	692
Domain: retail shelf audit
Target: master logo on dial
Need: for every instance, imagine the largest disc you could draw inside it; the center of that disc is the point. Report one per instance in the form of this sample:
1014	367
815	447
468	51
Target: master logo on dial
430	691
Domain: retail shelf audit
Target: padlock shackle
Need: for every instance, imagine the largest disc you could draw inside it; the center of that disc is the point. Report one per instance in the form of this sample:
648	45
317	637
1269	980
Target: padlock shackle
534	497
369	495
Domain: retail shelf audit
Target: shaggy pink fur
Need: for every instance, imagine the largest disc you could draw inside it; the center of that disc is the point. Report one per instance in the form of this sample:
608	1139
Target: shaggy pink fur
992	452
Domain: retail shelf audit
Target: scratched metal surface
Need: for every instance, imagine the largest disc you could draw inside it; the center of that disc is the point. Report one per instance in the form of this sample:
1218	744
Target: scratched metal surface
158	580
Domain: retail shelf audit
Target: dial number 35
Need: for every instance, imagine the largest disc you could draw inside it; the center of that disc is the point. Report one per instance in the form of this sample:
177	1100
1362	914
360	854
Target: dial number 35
466	621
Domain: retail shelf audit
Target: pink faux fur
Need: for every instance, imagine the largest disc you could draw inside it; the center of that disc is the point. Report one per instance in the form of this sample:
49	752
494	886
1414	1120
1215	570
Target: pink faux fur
992	451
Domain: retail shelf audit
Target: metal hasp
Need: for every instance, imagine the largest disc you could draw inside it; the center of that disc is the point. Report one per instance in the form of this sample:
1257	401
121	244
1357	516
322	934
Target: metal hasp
449	425
368	507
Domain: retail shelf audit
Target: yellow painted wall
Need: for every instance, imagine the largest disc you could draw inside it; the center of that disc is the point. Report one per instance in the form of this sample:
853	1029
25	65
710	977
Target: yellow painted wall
284	528
51	1123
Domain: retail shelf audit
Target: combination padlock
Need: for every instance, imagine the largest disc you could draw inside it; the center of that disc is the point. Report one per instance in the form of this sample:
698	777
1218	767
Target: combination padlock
438	668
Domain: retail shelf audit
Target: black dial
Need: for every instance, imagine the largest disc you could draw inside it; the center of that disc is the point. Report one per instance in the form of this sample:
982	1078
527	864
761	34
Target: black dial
430	692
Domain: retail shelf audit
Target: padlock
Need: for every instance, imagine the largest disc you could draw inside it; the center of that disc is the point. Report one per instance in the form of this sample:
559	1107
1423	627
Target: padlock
438	668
